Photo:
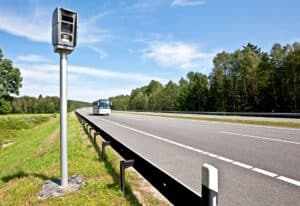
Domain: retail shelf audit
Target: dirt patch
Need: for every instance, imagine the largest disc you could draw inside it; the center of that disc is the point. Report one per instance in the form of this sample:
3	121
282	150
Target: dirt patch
53	188
7	144
48	142
142	189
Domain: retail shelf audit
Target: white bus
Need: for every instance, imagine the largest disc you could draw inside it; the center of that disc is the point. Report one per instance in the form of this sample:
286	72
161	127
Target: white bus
102	107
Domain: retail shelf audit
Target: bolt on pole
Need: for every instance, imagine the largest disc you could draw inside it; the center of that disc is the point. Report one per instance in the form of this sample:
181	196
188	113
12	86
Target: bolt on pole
63	120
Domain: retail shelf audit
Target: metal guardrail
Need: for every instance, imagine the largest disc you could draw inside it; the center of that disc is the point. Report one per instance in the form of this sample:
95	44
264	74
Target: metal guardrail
249	114
172	189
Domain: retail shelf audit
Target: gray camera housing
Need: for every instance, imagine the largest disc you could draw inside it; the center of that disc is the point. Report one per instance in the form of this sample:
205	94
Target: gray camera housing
64	30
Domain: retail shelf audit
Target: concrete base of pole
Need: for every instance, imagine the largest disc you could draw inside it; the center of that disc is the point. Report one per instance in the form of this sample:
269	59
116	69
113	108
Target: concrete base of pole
53	188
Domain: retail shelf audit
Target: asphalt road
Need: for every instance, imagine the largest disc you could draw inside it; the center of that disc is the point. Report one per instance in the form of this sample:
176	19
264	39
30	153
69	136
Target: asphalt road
258	165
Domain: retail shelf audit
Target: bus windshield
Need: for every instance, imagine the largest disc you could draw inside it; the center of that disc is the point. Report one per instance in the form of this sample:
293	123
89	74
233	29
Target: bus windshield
104	104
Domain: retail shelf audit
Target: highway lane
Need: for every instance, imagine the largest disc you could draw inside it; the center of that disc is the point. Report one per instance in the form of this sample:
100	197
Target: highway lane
254	161
273	119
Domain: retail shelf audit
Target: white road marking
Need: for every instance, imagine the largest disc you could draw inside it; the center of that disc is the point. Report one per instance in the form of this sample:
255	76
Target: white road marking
258	137
212	155
250	125
225	159
268	127
289	180
265	172
242	165
202	152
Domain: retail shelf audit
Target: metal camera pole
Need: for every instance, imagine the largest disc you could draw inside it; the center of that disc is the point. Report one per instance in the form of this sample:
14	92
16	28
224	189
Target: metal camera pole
63	120
64	37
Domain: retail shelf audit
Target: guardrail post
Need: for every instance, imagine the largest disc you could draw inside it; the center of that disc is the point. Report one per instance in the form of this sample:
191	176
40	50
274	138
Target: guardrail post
209	196
95	134
123	165
104	144
86	126
90	129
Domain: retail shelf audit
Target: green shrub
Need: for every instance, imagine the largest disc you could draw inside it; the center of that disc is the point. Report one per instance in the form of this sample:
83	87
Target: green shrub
22	122
5	106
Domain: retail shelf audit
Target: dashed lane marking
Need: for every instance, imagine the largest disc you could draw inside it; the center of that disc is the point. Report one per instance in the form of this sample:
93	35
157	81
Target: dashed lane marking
258	137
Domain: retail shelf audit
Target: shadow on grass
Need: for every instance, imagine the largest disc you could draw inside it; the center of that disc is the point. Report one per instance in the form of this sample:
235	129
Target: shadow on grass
21	174
112	171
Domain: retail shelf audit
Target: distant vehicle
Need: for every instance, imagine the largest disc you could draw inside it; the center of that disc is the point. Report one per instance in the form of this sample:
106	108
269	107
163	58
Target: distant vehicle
102	107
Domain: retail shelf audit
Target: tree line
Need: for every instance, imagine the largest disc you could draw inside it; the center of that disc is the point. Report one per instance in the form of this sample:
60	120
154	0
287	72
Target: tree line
11	82
246	80
47	104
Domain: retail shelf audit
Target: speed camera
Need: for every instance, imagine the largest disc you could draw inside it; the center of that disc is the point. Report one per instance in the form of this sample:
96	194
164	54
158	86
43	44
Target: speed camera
64	30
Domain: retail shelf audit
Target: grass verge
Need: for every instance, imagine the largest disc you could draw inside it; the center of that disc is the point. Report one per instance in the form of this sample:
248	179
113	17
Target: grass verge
34	158
242	121
12	124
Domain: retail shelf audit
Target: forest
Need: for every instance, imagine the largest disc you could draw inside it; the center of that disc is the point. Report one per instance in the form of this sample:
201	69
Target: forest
47	104
33	105
246	80
10	84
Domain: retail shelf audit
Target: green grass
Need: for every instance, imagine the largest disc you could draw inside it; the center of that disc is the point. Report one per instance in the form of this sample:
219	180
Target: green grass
23	121
12	124
34	158
243	121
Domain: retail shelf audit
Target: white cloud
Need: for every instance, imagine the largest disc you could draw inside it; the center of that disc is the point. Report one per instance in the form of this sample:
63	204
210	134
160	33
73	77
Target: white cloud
33	58
90	31
84	93
29	27
144	6
44	79
48	69
92	92
102	54
187	2
179	55
35	89
37	26
139	5
111	74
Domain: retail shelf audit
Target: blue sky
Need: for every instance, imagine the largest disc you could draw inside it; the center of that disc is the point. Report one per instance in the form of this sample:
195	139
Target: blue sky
124	44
